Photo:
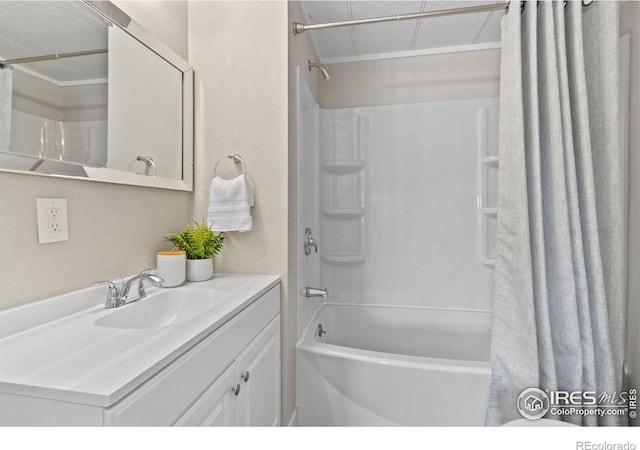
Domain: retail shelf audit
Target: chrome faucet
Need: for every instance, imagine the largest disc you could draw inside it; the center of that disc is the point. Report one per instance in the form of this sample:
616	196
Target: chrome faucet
315	292
309	242
117	297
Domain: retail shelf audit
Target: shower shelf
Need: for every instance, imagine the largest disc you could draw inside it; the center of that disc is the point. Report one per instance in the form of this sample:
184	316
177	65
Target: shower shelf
343	167
488	261
343	213
485	256
344	258
489	160
487	173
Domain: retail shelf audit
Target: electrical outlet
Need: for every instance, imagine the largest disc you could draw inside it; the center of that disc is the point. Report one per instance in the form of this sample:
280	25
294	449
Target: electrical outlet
52	220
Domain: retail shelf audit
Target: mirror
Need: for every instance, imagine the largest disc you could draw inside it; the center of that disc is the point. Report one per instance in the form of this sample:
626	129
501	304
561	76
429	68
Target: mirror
85	92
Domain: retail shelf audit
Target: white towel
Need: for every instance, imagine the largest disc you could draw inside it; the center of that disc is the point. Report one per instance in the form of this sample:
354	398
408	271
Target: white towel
6	89
229	204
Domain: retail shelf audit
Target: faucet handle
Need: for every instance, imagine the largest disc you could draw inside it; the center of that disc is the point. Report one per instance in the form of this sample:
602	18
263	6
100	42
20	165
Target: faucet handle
113	294
112	285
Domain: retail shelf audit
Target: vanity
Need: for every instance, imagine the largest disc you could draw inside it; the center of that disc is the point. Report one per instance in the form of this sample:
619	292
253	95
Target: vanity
202	354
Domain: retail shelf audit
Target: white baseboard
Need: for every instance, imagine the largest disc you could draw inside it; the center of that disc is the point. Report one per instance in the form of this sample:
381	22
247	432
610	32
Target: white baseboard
293	420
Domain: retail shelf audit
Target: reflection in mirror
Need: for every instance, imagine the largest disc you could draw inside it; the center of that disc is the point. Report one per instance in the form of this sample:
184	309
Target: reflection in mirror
144	134
53	109
82	97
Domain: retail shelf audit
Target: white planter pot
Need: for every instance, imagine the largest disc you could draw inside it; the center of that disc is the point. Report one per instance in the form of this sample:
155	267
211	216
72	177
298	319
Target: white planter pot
199	269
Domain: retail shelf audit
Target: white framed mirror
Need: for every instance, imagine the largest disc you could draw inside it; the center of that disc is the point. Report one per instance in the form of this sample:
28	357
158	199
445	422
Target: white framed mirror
87	93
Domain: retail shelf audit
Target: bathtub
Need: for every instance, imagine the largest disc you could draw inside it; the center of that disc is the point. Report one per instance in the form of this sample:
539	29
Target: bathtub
369	365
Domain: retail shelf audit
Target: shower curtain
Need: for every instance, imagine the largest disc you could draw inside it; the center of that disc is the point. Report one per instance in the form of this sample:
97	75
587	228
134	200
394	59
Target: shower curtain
6	89
559	282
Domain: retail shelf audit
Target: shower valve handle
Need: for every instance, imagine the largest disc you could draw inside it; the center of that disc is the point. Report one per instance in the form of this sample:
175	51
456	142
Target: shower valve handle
309	242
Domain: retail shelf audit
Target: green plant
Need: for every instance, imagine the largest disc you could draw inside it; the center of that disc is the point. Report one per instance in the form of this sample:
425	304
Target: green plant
197	240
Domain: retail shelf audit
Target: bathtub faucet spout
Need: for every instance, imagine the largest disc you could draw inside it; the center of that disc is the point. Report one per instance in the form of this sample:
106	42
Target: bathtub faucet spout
315	292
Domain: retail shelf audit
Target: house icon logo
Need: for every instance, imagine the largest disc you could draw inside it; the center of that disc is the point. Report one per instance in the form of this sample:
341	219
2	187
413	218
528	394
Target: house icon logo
533	403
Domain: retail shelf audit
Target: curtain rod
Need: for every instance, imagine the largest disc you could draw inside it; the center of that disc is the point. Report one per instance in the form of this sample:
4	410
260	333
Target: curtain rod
299	28
8	62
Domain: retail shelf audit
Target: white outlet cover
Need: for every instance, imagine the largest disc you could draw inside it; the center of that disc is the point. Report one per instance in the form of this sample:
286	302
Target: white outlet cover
61	232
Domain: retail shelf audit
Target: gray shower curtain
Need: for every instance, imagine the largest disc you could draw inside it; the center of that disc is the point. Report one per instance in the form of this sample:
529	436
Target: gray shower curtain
559	281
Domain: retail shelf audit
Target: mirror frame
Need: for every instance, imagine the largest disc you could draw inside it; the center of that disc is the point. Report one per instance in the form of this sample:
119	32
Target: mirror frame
119	18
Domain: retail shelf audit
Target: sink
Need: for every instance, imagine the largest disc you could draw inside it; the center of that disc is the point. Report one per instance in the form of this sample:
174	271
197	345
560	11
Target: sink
164	309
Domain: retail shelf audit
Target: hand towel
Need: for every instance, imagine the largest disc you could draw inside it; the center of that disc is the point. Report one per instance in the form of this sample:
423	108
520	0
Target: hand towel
230	203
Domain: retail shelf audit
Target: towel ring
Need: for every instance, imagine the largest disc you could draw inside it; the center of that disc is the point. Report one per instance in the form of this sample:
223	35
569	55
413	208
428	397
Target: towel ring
236	159
148	163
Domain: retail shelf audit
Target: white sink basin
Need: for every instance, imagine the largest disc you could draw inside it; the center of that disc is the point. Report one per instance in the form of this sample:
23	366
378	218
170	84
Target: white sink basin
69	348
163	309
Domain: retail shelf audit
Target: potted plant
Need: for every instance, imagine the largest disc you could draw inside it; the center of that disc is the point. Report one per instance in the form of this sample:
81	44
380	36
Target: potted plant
201	244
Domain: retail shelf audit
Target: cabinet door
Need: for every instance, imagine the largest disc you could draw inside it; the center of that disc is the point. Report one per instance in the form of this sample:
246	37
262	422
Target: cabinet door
162	399
259	377
217	406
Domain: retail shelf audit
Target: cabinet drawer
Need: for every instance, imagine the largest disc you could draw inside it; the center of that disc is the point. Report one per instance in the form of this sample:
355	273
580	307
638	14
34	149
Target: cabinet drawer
169	393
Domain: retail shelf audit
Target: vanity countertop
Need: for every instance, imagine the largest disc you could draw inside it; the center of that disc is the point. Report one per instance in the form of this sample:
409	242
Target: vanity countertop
69	357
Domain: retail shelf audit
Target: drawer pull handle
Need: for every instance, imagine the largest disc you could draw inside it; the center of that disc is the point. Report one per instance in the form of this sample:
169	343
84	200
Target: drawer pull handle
236	390
245	376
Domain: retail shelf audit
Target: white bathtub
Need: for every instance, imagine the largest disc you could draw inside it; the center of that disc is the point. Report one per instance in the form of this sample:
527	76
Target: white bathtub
380	365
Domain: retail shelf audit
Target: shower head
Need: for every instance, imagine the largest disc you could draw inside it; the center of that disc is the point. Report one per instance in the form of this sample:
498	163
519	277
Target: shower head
325	74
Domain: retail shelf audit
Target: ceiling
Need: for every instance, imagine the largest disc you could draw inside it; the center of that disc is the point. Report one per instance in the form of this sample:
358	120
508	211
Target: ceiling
36	28
396	39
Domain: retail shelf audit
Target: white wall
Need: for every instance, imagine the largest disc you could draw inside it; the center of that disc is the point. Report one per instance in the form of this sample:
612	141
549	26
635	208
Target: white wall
403	229
152	125
165	19
34	95
84	103
419	137
112	229
452	76
239	53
